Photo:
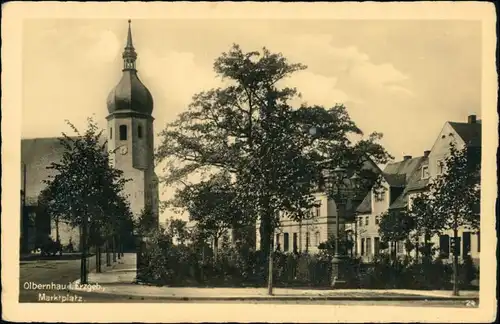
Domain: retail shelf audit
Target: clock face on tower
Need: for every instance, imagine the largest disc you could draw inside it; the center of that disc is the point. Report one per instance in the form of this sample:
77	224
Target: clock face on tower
123	149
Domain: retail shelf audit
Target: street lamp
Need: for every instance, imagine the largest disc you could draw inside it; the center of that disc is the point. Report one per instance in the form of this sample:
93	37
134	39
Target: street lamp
341	188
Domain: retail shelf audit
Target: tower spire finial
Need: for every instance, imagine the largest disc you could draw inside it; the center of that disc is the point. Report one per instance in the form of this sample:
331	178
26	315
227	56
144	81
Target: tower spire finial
129	54
129	36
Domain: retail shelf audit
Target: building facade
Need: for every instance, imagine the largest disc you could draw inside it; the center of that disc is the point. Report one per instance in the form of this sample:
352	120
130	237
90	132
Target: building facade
307	235
130	142
404	180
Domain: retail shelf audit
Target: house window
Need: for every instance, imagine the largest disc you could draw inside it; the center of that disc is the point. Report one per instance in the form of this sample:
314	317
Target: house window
318	208
316	238
139	131
466	243
444	245
123	132
286	243
377	219
360	219
368	246
362	246
376	243
278	247
425	172
440	167
307	241
367	220
111	133
295	246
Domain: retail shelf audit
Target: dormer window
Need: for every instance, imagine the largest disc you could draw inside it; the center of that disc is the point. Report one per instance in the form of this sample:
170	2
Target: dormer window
123	132
425	172
139	131
111	133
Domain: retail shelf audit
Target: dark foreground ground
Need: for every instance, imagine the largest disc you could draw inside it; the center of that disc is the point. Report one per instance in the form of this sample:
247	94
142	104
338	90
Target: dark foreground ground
65	270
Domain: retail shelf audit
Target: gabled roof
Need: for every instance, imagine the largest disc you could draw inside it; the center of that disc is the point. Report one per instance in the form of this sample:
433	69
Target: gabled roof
469	132
400	202
366	205
414	183
37	154
397	174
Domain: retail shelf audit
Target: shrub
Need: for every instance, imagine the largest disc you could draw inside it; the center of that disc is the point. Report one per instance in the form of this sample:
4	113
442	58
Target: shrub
168	264
468	272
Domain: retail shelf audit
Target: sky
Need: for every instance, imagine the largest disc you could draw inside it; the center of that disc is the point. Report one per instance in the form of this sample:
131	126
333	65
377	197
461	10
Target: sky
403	78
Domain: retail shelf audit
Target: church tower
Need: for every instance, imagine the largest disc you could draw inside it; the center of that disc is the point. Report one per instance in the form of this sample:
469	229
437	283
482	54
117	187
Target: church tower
130	134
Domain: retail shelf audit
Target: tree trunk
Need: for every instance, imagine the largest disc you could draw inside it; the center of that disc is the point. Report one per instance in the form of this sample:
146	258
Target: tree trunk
355	237
114	248
455	261
270	268
417	246
98	258
108	255
216	248
83	261
58	239
118	248
265	234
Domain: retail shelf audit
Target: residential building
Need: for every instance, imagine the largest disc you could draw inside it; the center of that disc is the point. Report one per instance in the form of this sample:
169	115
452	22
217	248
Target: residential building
405	179
395	178
308	234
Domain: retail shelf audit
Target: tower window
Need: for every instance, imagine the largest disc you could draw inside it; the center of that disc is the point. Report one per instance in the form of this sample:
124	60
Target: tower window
111	133
123	132
139	131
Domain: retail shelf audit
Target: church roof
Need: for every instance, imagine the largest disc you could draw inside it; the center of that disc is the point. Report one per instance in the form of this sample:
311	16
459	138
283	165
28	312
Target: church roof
130	94
37	154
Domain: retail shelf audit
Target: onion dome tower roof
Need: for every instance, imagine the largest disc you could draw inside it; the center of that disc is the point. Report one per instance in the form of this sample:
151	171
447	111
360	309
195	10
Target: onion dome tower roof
130	94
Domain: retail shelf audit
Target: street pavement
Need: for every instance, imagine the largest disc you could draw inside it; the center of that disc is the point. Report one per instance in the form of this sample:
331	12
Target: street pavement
35	272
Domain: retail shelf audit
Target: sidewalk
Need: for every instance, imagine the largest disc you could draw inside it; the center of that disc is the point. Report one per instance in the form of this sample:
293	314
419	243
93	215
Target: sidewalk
119	281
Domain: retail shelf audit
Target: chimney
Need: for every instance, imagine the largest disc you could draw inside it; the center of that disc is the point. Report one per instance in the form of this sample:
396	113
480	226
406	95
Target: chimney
426	153
471	119
406	157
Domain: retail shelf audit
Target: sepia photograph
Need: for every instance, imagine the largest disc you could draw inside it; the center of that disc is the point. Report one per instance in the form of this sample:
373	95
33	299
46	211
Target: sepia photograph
235	159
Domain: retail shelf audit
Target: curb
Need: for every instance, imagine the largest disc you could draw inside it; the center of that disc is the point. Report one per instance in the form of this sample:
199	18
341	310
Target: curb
280	298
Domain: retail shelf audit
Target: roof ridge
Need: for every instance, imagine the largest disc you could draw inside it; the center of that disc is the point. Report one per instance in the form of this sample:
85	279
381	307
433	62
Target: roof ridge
46	138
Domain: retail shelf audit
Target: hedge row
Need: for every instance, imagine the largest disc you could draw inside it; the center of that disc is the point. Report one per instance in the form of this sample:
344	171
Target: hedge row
166	264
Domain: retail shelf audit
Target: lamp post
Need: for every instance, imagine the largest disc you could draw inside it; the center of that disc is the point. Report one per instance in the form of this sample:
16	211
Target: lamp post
340	187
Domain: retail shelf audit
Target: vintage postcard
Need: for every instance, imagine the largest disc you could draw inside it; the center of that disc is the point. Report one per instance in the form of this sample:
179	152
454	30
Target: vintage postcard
249	162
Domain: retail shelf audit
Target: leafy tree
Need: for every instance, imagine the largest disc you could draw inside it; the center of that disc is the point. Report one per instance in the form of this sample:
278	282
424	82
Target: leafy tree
457	193
425	221
177	228
213	204
84	187
395	226
250	129
147	221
